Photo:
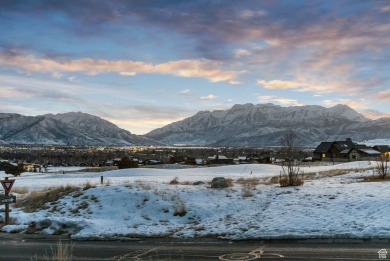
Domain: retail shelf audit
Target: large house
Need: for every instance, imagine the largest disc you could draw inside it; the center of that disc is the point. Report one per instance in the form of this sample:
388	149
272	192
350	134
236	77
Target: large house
345	151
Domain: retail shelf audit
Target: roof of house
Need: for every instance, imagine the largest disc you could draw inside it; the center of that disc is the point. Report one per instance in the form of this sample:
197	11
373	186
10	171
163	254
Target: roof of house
370	151
346	151
382	148
342	145
323	147
220	157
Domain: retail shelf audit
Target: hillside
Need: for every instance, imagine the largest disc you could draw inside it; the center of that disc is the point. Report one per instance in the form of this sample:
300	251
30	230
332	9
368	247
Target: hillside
73	128
264	124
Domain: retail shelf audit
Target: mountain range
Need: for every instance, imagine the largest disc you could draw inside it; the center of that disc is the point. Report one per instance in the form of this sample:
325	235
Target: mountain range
265	124
241	125
73	128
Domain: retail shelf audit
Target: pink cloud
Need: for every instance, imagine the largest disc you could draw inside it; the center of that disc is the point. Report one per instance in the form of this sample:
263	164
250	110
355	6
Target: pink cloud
202	68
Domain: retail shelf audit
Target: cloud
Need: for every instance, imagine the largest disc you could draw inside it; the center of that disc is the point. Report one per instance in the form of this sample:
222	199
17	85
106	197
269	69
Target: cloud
385	8
383	95
277	99
208	97
202	68
127	74
56	75
374	114
184	92
355	104
249	14
320	86
280	85
197	68
8	92
241	52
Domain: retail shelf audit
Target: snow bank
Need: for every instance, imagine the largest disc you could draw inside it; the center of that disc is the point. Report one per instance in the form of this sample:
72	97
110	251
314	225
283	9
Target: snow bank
141	203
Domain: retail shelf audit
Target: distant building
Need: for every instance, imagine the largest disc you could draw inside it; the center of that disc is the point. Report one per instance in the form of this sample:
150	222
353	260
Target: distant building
344	151
220	159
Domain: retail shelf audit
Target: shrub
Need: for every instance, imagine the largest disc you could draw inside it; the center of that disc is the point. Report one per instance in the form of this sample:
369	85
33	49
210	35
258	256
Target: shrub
126	163
383	166
180	209
291	174
286	181
174	181
247	190
11	169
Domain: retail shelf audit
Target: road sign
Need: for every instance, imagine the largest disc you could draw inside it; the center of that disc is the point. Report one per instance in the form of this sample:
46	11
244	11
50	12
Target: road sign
7	185
7	199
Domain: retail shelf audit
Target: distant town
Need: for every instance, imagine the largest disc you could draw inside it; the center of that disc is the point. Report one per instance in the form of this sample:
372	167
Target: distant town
39	158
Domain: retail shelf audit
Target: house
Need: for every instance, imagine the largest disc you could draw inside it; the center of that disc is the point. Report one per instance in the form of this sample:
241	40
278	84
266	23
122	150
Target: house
322	151
220	159
344	151
242	160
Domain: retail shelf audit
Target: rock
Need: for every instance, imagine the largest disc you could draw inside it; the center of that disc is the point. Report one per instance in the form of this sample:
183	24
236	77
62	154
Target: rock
45	223
66	228
198	183
219	182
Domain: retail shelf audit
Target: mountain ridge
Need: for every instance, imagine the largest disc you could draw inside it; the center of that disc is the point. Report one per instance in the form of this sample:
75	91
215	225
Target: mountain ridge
241	125
264	124
72	128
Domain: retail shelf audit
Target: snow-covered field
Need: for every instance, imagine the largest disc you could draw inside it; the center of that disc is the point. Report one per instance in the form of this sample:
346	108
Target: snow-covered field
142	203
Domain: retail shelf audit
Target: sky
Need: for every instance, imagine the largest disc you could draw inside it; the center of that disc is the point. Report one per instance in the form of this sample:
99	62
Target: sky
144	64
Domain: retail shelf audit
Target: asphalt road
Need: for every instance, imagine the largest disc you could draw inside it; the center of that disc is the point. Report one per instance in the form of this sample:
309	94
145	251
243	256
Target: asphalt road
32	249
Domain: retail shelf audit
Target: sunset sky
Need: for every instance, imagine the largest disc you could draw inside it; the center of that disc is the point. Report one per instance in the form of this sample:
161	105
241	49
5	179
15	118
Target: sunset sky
143	64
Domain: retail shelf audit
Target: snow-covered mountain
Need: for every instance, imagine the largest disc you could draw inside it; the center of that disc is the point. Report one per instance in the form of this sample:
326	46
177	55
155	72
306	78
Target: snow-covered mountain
73	128
265	124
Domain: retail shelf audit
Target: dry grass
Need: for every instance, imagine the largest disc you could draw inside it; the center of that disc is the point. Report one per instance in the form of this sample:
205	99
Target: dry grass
248	181
285	182
273	180
333	172
248	186
179	209
376	178
20	190
145	186
174	181
229	182
88	185
38	199
62	252
247	190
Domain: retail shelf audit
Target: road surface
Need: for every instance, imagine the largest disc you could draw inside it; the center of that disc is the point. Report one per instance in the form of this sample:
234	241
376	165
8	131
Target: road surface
32	249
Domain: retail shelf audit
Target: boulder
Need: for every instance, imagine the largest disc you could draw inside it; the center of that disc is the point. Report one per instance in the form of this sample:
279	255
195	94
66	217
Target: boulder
219	182
42	224
198	183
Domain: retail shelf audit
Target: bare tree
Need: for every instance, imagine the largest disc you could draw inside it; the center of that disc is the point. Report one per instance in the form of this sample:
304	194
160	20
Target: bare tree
383	165
291	174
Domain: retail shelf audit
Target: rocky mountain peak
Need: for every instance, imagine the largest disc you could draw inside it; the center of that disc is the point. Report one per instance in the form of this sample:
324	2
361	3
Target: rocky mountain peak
263	124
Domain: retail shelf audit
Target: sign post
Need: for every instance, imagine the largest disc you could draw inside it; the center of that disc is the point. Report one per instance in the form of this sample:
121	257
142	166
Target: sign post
7	185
